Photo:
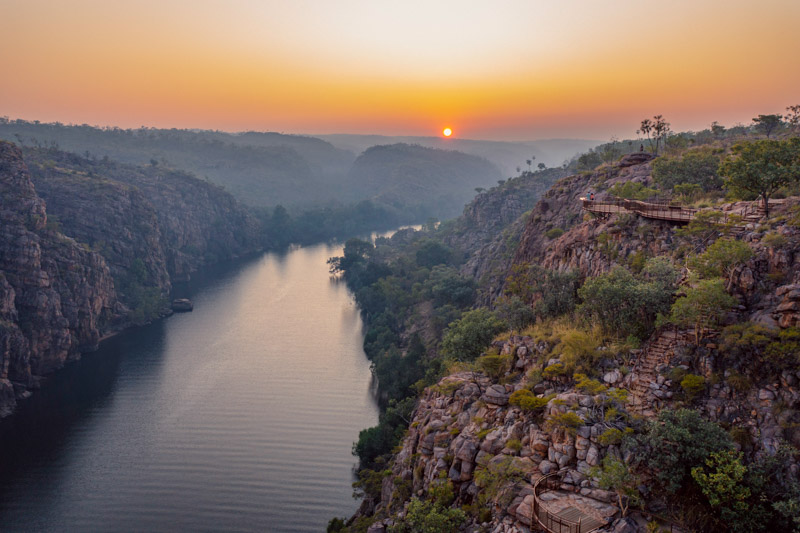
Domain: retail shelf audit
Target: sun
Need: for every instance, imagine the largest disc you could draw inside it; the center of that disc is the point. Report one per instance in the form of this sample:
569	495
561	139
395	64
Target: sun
447	132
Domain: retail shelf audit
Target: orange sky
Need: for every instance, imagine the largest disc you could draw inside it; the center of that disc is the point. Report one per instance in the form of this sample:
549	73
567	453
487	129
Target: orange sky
501	69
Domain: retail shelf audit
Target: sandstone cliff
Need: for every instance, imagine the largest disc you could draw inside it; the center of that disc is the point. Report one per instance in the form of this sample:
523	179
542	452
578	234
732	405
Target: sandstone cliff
117	238
56	297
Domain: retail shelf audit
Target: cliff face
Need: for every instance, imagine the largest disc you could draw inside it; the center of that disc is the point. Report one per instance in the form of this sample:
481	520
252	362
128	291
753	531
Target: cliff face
491	227
55	295
117	238
173	222
466	425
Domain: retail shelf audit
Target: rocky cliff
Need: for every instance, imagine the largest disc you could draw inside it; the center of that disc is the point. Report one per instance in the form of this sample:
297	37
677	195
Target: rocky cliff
169	219
56	296
116	238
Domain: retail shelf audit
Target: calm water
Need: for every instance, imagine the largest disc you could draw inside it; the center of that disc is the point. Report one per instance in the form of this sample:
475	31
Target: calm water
239	416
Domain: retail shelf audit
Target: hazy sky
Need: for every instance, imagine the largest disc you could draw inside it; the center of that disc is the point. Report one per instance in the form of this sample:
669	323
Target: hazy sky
500	69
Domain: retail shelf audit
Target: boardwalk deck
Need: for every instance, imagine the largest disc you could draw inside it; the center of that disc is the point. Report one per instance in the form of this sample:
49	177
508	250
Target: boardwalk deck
671	213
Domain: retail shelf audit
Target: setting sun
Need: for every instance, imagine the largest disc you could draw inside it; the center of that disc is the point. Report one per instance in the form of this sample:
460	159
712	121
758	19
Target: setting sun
447	132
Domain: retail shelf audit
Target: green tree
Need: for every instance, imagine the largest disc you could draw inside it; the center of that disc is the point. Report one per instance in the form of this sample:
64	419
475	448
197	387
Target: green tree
793	117
429	517
677	442
467	337
623	305
516	313
616	475
702	307
698	167
768	123
721	481
721	259
762	167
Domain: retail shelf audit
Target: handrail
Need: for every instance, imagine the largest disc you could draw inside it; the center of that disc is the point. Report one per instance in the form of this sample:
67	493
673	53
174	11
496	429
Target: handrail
657	210
543	516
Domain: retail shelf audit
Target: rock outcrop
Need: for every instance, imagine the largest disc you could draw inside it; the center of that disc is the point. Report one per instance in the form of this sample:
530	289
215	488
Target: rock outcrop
116	239
56	297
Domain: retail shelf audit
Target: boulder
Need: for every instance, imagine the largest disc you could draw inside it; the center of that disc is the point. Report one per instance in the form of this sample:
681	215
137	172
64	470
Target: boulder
496	395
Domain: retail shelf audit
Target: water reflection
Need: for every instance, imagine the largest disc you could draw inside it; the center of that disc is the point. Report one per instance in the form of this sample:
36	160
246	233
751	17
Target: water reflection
239	416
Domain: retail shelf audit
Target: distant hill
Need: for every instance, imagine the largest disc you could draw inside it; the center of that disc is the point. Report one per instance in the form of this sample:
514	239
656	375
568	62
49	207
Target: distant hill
260	169
505	155
425	179
266	169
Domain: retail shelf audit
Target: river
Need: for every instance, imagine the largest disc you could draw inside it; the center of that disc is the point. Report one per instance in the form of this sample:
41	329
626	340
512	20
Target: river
239	416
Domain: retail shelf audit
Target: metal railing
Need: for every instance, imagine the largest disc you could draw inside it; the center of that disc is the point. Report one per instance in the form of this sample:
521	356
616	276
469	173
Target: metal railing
657	210
549	521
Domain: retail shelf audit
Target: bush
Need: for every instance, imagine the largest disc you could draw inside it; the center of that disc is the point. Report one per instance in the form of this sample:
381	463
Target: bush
623	305
493	366
527	401
429	517
692	386
554	233
610	437
677	442
466	338
569	422
696	167
514	444
588	385
578	349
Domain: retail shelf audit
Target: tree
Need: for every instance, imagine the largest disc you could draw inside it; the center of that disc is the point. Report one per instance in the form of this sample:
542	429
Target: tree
542	166
622	304
615	475
702	307
762	167
676	442
516	313
429	517
697	167
656	131
717	129
466	338
721	481
721	259
767	123
793	117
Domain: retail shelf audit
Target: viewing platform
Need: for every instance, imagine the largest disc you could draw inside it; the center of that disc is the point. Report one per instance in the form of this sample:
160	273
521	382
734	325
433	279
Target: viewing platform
560	511
652	210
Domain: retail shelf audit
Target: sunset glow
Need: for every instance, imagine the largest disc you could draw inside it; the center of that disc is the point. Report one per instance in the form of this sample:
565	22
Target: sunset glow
514	70
447	132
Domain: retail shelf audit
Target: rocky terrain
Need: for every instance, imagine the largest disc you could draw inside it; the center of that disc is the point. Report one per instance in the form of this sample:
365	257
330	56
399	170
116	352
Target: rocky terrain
469	431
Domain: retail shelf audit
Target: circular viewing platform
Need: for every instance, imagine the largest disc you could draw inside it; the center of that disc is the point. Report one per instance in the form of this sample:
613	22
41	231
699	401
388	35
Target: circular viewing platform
561	511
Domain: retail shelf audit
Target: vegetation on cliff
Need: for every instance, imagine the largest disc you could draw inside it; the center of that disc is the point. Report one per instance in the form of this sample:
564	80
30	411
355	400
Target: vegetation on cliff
654	366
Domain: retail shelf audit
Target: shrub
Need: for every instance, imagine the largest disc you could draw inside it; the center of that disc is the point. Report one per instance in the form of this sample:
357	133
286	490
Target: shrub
466	338
569	422
623	305
578	348
527	401
692	386
494	477
703	306
429	517
493	366
554	371
554	233
677	442
610	436
588	385
774	239
514	444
